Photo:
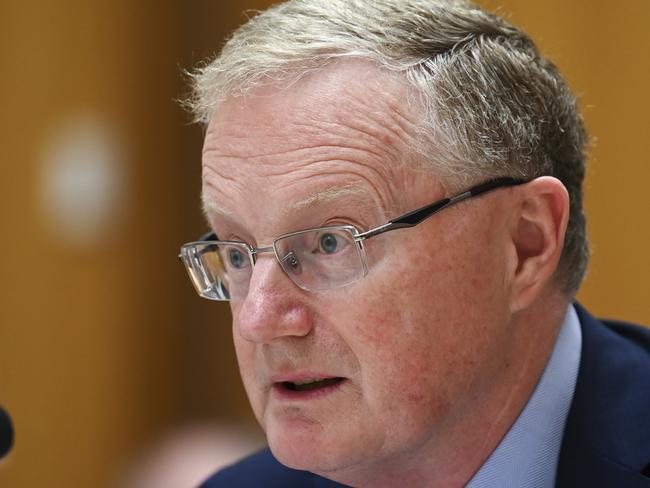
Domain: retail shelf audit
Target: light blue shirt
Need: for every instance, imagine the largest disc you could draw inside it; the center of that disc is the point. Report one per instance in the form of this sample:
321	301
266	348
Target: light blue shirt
527	456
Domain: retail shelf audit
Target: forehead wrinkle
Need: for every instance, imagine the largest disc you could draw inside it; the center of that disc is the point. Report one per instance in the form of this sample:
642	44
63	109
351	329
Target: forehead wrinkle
296	152
379	123
209	206
344	152
379	128
381	196
387	126
282	162
339	154
375	131
366	141
303	169
385	102
309	134
362	197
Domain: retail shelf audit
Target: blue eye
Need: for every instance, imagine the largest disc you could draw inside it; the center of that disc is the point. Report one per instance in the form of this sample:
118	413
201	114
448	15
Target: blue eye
328	243
236	258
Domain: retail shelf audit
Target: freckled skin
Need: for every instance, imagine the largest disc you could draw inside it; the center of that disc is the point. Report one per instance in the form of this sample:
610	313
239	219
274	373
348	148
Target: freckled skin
420	340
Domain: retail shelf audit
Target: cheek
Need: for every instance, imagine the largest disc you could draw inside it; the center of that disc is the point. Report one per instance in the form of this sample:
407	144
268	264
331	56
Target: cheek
245	352
426	328
399	376
245	356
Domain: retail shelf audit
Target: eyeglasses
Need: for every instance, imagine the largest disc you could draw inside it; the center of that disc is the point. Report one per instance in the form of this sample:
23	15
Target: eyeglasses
317	259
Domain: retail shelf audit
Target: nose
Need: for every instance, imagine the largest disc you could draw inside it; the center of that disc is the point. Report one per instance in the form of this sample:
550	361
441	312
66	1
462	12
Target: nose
274	307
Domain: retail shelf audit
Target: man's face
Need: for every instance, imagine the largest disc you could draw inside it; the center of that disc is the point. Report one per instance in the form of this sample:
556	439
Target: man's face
409	350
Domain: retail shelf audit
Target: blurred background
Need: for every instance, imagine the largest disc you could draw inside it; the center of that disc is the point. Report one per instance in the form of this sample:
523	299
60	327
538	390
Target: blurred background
115	372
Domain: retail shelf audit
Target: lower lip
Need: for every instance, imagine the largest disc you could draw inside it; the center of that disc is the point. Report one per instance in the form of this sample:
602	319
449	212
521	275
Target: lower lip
284	393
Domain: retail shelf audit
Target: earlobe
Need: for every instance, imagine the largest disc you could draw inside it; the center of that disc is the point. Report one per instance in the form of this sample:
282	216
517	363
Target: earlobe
541	217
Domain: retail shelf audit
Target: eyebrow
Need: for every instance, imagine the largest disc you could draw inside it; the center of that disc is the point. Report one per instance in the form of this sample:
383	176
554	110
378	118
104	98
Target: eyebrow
329	195
209	208
321	198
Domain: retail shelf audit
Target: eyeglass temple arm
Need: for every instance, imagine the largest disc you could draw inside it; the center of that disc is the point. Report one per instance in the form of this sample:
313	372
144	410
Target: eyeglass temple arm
413	218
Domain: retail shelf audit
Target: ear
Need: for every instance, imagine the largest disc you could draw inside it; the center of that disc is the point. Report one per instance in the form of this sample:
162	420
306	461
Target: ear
538	228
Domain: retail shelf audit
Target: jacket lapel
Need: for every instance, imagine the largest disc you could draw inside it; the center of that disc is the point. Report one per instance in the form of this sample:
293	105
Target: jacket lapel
607	435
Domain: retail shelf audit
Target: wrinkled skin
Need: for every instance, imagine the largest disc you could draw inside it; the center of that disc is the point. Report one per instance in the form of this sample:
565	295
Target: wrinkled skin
430	343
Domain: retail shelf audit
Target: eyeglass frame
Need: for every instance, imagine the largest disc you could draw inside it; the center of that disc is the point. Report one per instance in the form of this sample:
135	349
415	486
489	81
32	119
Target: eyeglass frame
409	219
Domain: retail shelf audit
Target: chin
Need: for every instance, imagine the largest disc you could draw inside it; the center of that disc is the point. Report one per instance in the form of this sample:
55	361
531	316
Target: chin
308	447
297	458
297	446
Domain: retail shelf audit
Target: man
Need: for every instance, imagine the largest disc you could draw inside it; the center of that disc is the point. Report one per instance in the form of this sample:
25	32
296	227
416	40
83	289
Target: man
395	193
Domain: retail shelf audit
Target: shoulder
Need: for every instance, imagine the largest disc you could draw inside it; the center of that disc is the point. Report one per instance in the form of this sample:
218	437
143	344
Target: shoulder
614	376
262	469
611	347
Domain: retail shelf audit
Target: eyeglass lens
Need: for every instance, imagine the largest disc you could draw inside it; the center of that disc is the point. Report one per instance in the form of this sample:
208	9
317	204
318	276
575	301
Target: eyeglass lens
320	259
316	259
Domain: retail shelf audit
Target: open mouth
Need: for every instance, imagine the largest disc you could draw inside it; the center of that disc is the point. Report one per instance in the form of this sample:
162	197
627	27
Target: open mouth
310	385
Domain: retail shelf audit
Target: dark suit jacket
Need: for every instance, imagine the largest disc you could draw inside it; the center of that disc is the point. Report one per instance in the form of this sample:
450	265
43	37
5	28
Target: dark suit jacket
607	435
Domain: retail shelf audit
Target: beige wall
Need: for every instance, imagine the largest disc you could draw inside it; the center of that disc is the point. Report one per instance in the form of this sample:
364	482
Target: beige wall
103	345
88	338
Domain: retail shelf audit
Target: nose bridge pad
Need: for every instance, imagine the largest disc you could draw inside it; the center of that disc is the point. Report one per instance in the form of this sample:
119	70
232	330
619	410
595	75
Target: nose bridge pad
291	264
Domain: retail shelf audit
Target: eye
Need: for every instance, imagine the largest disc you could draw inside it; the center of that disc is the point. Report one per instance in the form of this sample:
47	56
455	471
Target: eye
328	243
236	258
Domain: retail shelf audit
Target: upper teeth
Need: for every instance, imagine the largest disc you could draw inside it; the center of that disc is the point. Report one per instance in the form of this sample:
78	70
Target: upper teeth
305	382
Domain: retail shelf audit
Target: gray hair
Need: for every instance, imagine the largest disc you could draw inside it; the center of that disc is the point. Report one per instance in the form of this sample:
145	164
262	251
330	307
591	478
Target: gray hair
491	104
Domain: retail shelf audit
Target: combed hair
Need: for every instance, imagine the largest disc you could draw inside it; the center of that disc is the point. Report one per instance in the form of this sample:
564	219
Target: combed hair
491	105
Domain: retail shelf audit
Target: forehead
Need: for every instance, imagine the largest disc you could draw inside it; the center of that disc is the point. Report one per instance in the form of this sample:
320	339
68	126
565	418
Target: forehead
341	134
